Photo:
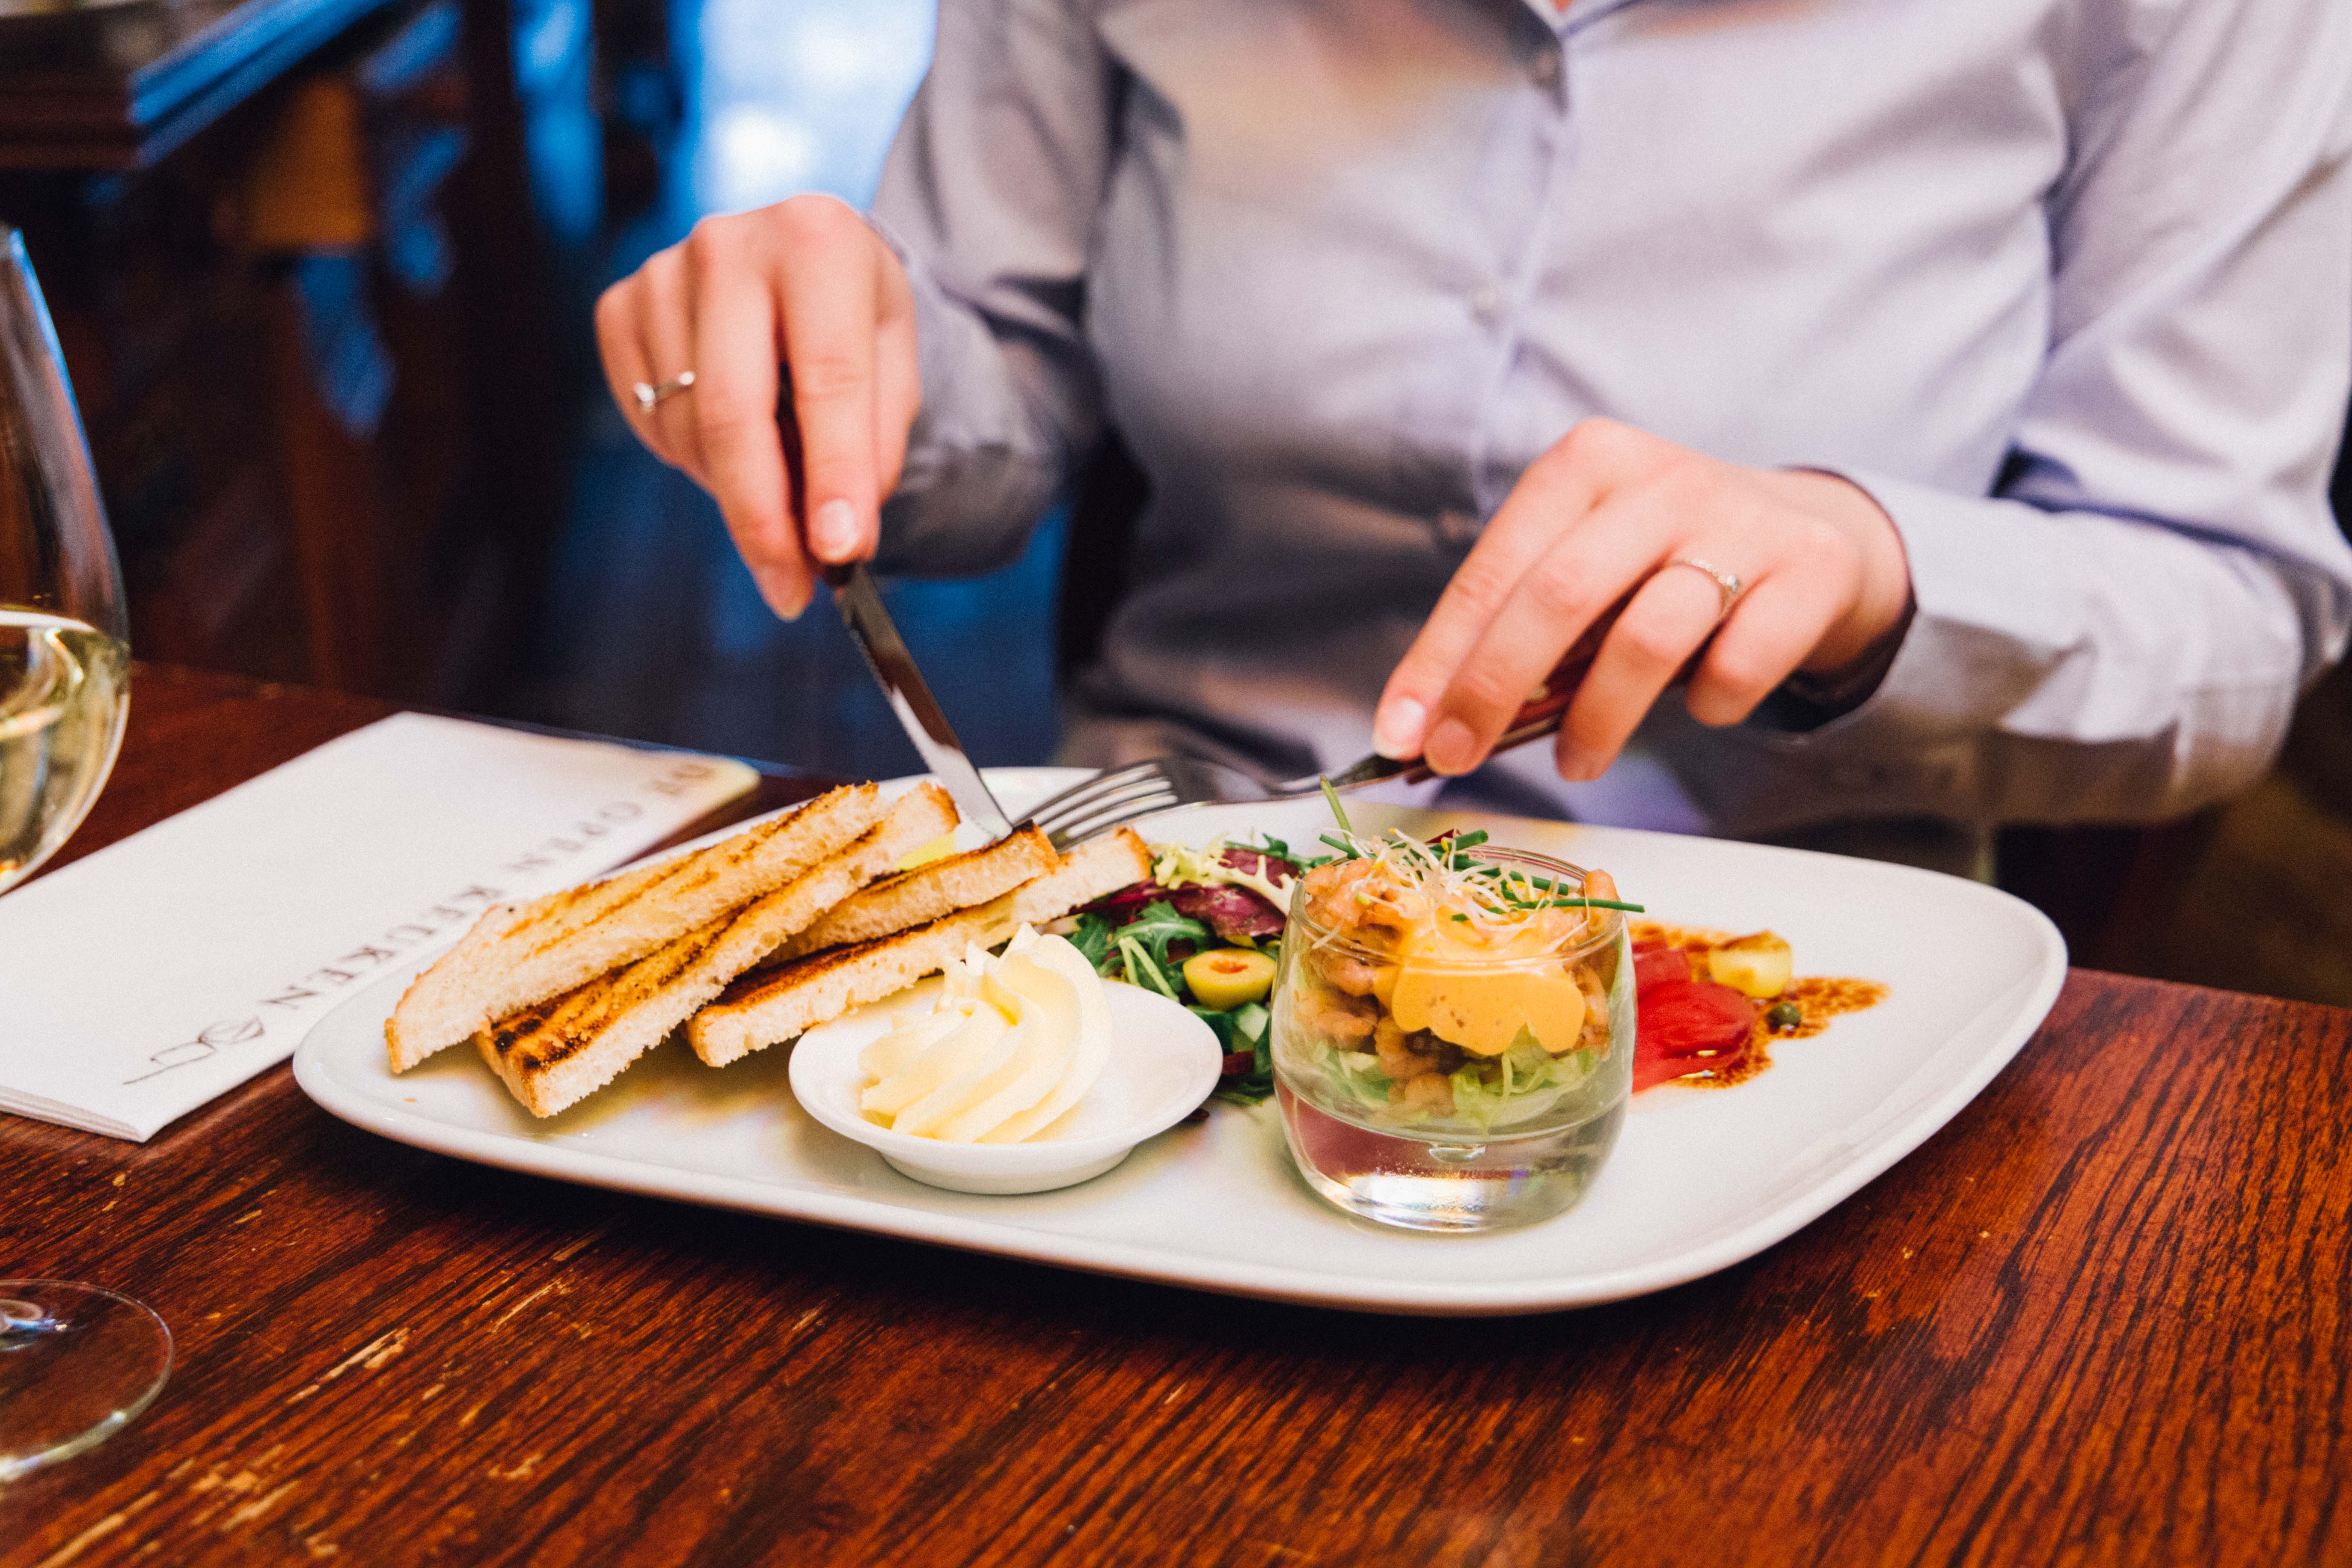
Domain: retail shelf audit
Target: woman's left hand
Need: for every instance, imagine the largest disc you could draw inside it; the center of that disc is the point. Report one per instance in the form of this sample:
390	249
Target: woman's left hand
1602	515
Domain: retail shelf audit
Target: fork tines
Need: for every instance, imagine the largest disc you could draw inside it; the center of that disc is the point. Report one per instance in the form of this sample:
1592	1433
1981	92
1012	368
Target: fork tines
1104	802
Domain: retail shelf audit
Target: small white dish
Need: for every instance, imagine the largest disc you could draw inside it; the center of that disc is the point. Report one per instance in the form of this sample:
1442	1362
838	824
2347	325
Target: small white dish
1163	1063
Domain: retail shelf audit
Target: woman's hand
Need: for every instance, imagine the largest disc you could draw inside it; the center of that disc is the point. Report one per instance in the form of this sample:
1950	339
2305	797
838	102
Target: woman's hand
805	285
1598	517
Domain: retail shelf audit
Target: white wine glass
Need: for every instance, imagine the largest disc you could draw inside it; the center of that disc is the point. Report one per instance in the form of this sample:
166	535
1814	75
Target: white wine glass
65	663
77	1362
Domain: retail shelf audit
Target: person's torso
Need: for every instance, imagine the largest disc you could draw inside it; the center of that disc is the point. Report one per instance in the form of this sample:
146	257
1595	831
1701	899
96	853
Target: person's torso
1358	264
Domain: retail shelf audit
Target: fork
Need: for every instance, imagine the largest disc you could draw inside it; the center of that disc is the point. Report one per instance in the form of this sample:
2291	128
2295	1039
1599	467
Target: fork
1111	800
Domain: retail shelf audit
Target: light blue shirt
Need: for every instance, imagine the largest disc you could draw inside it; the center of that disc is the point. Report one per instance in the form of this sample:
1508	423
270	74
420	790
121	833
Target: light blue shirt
2065	284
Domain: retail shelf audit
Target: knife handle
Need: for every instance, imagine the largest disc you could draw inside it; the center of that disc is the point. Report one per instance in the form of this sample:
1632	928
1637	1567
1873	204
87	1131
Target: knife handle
788	428
1544	711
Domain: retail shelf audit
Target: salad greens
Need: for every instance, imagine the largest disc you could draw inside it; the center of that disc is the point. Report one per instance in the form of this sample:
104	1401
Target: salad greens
1158	926
1144	951
1524	1084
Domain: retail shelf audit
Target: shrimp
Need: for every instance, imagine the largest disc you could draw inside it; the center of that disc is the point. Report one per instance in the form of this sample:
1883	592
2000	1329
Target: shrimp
1348	973
1600	885
1334	1016
1405	1055
1431	1091
1355	893
1595	1033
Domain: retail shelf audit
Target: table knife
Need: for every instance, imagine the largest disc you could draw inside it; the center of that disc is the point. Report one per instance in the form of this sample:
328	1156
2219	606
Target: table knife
877	638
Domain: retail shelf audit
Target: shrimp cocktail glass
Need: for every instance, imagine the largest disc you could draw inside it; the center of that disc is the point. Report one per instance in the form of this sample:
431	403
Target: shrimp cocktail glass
1453	1031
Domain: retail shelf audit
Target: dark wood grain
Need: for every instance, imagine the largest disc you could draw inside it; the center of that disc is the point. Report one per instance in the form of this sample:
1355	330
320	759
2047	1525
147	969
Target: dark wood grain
2103	1317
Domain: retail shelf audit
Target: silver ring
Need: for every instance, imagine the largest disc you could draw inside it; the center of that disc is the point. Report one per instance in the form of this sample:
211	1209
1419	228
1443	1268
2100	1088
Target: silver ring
650	396
1726	583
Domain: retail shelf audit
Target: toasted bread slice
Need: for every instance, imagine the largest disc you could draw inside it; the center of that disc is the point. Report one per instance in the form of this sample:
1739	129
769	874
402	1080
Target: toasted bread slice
519	955
1096	867
921	896
553	1055
761	1010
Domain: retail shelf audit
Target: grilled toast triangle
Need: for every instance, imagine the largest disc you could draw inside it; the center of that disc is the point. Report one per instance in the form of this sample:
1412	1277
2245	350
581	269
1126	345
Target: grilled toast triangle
519	955
553	1055
774	1005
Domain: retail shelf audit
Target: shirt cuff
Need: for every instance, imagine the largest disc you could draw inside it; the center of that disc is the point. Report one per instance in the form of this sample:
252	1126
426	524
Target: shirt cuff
1972	643
1803	702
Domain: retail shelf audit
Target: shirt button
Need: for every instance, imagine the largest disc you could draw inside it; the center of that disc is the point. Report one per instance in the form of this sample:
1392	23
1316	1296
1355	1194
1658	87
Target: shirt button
1544	69
1486	303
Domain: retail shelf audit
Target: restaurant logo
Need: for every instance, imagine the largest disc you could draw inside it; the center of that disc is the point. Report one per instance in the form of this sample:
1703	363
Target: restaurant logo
208	1041
548	859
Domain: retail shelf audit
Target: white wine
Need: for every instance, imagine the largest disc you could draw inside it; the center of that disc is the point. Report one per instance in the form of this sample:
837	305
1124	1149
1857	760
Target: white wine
63	690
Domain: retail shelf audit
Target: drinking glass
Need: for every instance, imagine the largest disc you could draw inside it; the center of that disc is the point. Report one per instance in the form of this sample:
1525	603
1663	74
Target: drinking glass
77	1362
64	663
1478	1141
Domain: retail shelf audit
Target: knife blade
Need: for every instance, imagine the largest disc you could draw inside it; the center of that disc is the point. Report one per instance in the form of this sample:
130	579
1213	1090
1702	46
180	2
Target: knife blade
876	637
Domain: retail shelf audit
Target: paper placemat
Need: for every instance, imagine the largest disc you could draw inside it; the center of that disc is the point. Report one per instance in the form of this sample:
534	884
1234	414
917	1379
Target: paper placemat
163	970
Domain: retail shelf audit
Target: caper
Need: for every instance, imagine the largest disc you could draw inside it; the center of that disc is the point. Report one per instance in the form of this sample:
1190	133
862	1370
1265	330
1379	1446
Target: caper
1784	1016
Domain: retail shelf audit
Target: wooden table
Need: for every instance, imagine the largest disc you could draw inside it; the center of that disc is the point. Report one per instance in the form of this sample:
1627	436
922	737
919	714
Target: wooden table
2104	1317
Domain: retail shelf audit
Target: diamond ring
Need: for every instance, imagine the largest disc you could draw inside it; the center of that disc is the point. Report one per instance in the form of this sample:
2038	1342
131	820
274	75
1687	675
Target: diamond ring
650	396
1726	583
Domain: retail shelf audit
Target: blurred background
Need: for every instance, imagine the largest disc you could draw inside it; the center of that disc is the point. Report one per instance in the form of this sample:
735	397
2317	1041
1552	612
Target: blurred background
650	626
326	297
323	269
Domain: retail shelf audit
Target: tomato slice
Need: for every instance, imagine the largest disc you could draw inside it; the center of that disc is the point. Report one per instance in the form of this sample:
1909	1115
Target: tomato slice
1650	1071
1680	1019
1683	1017
1654	965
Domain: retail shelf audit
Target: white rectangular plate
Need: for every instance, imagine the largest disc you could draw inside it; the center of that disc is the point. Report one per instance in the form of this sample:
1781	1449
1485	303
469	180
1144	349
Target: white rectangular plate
1703	1178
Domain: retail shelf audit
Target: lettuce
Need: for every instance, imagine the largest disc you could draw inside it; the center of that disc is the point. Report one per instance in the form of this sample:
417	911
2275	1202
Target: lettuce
1158	926
1093	937
1522	1083
1141	971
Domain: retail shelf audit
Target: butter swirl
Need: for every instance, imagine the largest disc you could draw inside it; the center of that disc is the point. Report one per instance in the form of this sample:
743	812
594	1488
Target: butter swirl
1007	1048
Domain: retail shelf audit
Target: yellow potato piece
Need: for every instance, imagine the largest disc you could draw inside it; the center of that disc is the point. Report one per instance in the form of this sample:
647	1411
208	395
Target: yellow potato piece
1226	977
1758	965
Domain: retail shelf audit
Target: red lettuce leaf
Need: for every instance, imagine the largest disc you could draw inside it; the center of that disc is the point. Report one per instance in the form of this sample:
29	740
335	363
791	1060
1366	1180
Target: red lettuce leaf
1236	914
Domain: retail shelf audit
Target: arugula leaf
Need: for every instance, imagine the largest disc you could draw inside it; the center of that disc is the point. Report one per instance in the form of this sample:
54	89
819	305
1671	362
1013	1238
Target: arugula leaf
1092	937
1141	971
1220	1023
1156	925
